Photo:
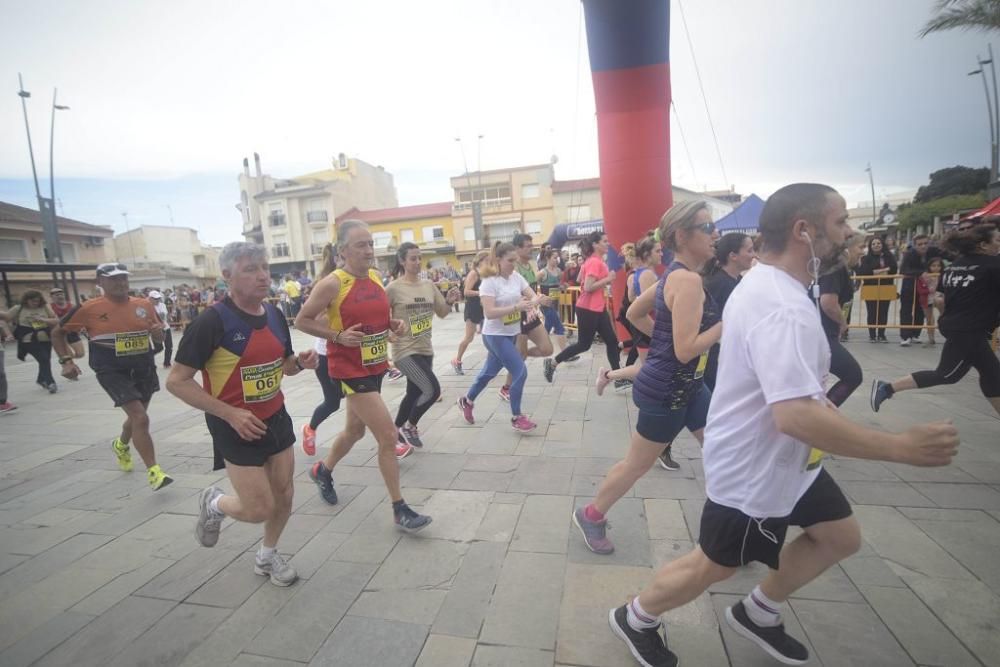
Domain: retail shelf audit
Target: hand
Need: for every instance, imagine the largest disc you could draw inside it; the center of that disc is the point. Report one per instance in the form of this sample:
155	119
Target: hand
453	296
398	327
611	277
524	305
932	444
308	359
544	300
843	329
70	370
246	425
351	336
534	314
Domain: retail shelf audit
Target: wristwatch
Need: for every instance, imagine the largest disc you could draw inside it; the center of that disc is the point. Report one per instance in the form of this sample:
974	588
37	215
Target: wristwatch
63	360
298	364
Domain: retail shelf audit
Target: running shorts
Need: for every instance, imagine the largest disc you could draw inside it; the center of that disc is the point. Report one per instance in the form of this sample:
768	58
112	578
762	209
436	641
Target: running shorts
363	385
229	446
661	424
129	384
72	337
527	326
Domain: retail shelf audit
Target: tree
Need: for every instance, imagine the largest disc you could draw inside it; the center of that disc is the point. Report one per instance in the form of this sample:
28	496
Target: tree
964	14
923	214
953	181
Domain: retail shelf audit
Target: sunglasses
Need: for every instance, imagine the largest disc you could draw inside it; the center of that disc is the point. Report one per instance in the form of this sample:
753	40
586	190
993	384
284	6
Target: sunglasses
707	227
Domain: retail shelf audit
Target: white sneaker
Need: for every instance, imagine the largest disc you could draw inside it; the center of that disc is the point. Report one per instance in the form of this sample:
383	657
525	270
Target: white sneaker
904	343
281	573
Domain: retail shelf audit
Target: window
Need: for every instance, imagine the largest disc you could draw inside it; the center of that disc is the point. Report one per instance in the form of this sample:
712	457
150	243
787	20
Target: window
275	215
382	240
502	231
529	191
68	252
579	213
320	236
13	249
532	226
433	234
406	235
316	216
279	250
470	233
493	195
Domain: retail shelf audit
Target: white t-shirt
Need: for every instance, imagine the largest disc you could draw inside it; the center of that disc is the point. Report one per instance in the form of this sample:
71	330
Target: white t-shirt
161	310
773	349
505	292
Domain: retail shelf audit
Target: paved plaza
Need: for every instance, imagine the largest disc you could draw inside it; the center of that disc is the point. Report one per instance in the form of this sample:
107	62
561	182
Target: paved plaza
95	569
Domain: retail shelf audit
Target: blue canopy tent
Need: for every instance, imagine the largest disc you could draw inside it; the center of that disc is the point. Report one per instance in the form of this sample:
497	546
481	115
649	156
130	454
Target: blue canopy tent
743	218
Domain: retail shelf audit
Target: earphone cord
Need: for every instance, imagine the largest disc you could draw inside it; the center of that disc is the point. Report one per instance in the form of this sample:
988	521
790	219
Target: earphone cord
812	268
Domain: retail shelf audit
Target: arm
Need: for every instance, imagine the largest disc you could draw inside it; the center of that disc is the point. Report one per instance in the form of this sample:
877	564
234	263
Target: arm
495	312
181	383
535	299
309	317
299	362
470	280
443	304
686	309
638	312
831	307
591	285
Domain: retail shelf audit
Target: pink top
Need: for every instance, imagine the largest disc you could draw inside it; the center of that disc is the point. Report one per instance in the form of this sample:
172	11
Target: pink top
596	269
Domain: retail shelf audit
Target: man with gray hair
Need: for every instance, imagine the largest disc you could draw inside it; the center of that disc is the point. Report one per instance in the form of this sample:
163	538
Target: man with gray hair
243	348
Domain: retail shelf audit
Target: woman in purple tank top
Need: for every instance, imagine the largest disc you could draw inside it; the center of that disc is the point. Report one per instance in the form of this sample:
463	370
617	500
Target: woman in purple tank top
668	390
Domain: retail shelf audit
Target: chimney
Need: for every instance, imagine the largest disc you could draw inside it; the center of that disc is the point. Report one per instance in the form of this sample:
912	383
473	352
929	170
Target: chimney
256	164
246	167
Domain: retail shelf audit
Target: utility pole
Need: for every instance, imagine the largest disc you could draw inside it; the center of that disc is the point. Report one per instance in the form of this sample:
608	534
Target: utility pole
996	110
46	206
992	119
871	180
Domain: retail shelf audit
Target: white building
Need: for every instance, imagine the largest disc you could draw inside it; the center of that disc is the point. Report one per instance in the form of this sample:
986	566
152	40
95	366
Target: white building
161	245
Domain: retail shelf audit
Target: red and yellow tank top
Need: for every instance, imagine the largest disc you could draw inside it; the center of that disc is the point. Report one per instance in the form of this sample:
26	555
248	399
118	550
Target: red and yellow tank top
364	301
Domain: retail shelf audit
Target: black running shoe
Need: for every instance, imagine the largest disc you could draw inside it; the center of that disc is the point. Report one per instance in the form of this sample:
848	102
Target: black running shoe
549	369
409	521
646	646
324	480
775	642
666	461
881	391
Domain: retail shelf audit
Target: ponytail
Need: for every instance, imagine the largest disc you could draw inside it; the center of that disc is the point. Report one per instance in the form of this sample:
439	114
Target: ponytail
492	265
729	243
398	268
329	260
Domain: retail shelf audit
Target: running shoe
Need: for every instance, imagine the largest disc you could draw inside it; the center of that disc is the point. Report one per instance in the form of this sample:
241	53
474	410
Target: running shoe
522	424
409	521
904	343
646	646
403	450
206	531
281	573
622	386
157	478
550	369
465	405
594	532
323	479
456	366
7	406
308	440
123	454
774	640
393	374
52	387
881	392
602	380
505	393
666	461
410	436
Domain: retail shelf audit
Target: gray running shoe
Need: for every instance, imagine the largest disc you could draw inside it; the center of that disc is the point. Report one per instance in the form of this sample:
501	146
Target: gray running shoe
594	533
549	369
666	461
622	385
281	573
881	392
409	521
209	522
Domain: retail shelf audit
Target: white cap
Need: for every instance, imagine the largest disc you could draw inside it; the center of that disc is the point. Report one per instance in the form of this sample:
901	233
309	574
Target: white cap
154	294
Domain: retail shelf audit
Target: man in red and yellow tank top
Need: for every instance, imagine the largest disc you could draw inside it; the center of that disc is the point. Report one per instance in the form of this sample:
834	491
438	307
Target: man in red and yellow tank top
243	348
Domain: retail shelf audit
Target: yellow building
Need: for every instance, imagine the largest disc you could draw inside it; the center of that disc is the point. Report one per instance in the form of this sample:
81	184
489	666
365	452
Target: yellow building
428	225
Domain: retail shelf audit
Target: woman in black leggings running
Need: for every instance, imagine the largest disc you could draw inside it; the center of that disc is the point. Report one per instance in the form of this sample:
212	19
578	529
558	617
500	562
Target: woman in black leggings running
969	295
836	290
332	394
591	307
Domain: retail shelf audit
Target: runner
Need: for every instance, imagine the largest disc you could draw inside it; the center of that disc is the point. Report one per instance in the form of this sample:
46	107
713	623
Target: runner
243	348
550	283
968	293
473	308
60	306
591	307
507	301
531	327
5	405
734	256
768	411
119	328
156	298
358	325
836	290
415	300
332	394
33	321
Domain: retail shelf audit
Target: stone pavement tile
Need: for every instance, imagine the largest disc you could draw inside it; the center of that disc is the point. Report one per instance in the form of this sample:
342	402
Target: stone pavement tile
419	563
360	507
457	440
984	471
885	493
491	463
362	641
251	660
560	448
143	506
172	637
870	570
299	530
108	635
744	653
543	475
525	607
457	514
232	586
10	561
316	551
509	498
466	604
303	623
313	503
475	480
593	466
510	656
499	523
407	606
445	651
969	609
63	516
952	473
358	475
369	545
972	537
163	536
123	585
44	639
528	446
544	524
30	541
665	519
626	528
854	470
923	636
39	456
589	591
694	645
49	562
659	483
848	634
833	585
564	431
967	496
907	548
188	574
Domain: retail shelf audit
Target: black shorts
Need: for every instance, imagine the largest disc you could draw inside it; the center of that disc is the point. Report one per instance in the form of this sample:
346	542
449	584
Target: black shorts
474	312
229	446
129	384
527	326
363	385
72	337
731	538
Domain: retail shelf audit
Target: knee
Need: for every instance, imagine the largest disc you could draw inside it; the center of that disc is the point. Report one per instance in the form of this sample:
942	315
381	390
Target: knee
844	542
283	497
545	349
259	508
353	432
139	420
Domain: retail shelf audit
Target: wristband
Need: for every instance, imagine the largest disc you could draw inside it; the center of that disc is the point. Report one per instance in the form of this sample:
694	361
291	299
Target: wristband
63	360
298	364
336	337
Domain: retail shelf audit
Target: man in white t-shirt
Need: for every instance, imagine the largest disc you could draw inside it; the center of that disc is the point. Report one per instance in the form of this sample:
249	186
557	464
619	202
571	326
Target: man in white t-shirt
768	426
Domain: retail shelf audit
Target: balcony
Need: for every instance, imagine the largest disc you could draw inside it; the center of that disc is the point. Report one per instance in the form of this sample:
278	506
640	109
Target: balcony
487	203
317	216
276	220
316	249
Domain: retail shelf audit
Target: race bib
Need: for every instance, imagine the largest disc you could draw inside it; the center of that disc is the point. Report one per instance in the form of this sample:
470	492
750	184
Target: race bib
699	371
374	349
129	343
261	382
38	324
421	323
815	456
512	318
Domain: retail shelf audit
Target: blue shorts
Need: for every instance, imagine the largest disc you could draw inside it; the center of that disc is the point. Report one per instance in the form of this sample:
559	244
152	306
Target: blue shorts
553	324
660	424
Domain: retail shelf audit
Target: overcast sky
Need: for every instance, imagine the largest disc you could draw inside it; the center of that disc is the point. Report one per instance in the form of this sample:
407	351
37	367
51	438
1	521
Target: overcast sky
174	95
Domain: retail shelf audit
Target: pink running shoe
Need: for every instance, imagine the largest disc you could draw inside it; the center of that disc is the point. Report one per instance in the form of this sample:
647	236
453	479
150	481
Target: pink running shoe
522	424
505	393
403	450
465	405
602	380
308	440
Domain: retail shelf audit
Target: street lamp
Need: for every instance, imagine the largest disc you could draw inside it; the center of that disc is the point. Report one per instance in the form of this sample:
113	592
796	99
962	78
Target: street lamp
996	105
993	129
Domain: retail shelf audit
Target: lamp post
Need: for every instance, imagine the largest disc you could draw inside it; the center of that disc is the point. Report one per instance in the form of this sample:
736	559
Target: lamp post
871	180
993	128
996	106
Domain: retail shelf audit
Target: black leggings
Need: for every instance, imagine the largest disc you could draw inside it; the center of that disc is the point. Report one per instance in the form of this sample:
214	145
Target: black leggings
42	352
846	368
962	351
422	388
589	323
167	346
878	313
331	395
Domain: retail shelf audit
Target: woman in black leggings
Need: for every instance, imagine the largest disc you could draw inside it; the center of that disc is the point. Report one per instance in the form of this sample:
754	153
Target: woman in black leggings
332	393
836	290
969	292
591	307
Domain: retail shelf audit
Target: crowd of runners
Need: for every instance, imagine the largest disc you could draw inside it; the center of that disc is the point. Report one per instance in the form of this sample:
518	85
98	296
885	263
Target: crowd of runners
736	355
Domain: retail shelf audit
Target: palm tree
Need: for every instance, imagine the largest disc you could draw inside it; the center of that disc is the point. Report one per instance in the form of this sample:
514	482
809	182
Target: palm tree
964	14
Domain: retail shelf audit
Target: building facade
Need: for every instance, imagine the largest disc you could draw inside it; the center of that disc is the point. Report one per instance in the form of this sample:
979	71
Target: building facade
430	226
161	245
294	217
